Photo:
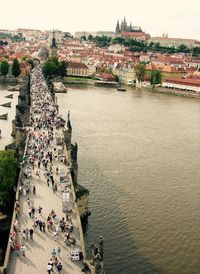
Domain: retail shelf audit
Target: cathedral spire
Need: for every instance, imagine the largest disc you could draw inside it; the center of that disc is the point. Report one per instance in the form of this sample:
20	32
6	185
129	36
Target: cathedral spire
53	46
53	42
117	30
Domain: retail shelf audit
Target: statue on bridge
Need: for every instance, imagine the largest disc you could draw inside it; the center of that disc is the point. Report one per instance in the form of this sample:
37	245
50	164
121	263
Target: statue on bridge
68	120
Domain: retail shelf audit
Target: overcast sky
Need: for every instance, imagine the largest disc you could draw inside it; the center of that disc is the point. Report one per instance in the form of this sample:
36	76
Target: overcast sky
180	18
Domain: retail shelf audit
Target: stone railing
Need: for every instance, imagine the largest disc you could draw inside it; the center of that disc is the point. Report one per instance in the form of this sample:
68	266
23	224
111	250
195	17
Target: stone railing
82	241
3	269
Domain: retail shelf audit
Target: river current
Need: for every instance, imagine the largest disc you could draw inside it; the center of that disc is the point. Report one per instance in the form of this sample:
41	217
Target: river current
139	155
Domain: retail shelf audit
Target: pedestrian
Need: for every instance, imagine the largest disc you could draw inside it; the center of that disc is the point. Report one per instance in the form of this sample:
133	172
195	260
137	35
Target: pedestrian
51	263
55	262
34	189
32	212
55	235
40	225
48	225
40	210
59	268
32	202
28	201
53	253
48	182
12	244
43	226
24	234
49	268
56	187
23	249
29	212
31	233
27	233
58	251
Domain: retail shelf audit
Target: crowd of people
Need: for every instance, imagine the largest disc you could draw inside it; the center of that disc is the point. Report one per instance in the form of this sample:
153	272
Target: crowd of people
40	161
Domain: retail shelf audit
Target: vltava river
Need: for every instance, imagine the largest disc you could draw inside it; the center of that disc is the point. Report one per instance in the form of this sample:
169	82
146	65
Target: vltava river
139	155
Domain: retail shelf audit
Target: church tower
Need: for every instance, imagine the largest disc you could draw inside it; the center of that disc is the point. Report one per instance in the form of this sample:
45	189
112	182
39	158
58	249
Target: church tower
117	30
53	46
124	25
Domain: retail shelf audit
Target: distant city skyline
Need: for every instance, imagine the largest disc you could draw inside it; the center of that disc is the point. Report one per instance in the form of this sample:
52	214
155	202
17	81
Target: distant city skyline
178	18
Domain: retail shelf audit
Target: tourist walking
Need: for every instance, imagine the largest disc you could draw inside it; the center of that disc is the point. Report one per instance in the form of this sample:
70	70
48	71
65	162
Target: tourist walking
23	250
34	190
53	253
55	235
58	251
31	231
40	210
29	212
43	226
59	268
49	268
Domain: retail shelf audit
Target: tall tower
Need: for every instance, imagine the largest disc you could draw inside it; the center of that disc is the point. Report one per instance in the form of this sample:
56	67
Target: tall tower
53	46
124	25
117	30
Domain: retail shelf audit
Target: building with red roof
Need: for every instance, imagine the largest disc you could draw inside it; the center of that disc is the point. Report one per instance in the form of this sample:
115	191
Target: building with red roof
182	84
77	69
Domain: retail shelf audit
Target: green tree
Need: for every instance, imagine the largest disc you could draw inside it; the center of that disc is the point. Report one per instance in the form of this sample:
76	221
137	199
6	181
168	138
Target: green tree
16	68
90	37
156	77
4	67
62	69
183	48
50	69
140	71
8	179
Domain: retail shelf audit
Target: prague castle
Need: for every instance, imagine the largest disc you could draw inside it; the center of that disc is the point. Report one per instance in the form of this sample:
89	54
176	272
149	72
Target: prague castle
129	31
124	27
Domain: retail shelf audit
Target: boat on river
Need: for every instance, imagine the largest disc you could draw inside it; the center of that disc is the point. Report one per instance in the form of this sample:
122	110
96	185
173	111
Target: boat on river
121	89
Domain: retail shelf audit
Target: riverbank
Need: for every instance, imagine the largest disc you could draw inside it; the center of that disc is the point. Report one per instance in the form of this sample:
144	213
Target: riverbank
89	82
78	81
177	92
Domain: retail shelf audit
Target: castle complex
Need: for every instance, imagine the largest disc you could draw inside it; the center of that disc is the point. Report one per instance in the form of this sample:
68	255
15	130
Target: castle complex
124	27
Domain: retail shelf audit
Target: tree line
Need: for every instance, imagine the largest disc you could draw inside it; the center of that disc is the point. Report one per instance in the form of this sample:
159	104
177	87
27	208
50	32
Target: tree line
8	180
140	46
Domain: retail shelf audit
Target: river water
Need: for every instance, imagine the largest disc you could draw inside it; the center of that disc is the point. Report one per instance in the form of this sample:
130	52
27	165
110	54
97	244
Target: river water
139	156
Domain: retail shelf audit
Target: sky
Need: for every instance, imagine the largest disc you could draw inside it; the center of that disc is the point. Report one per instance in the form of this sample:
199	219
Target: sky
179	18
